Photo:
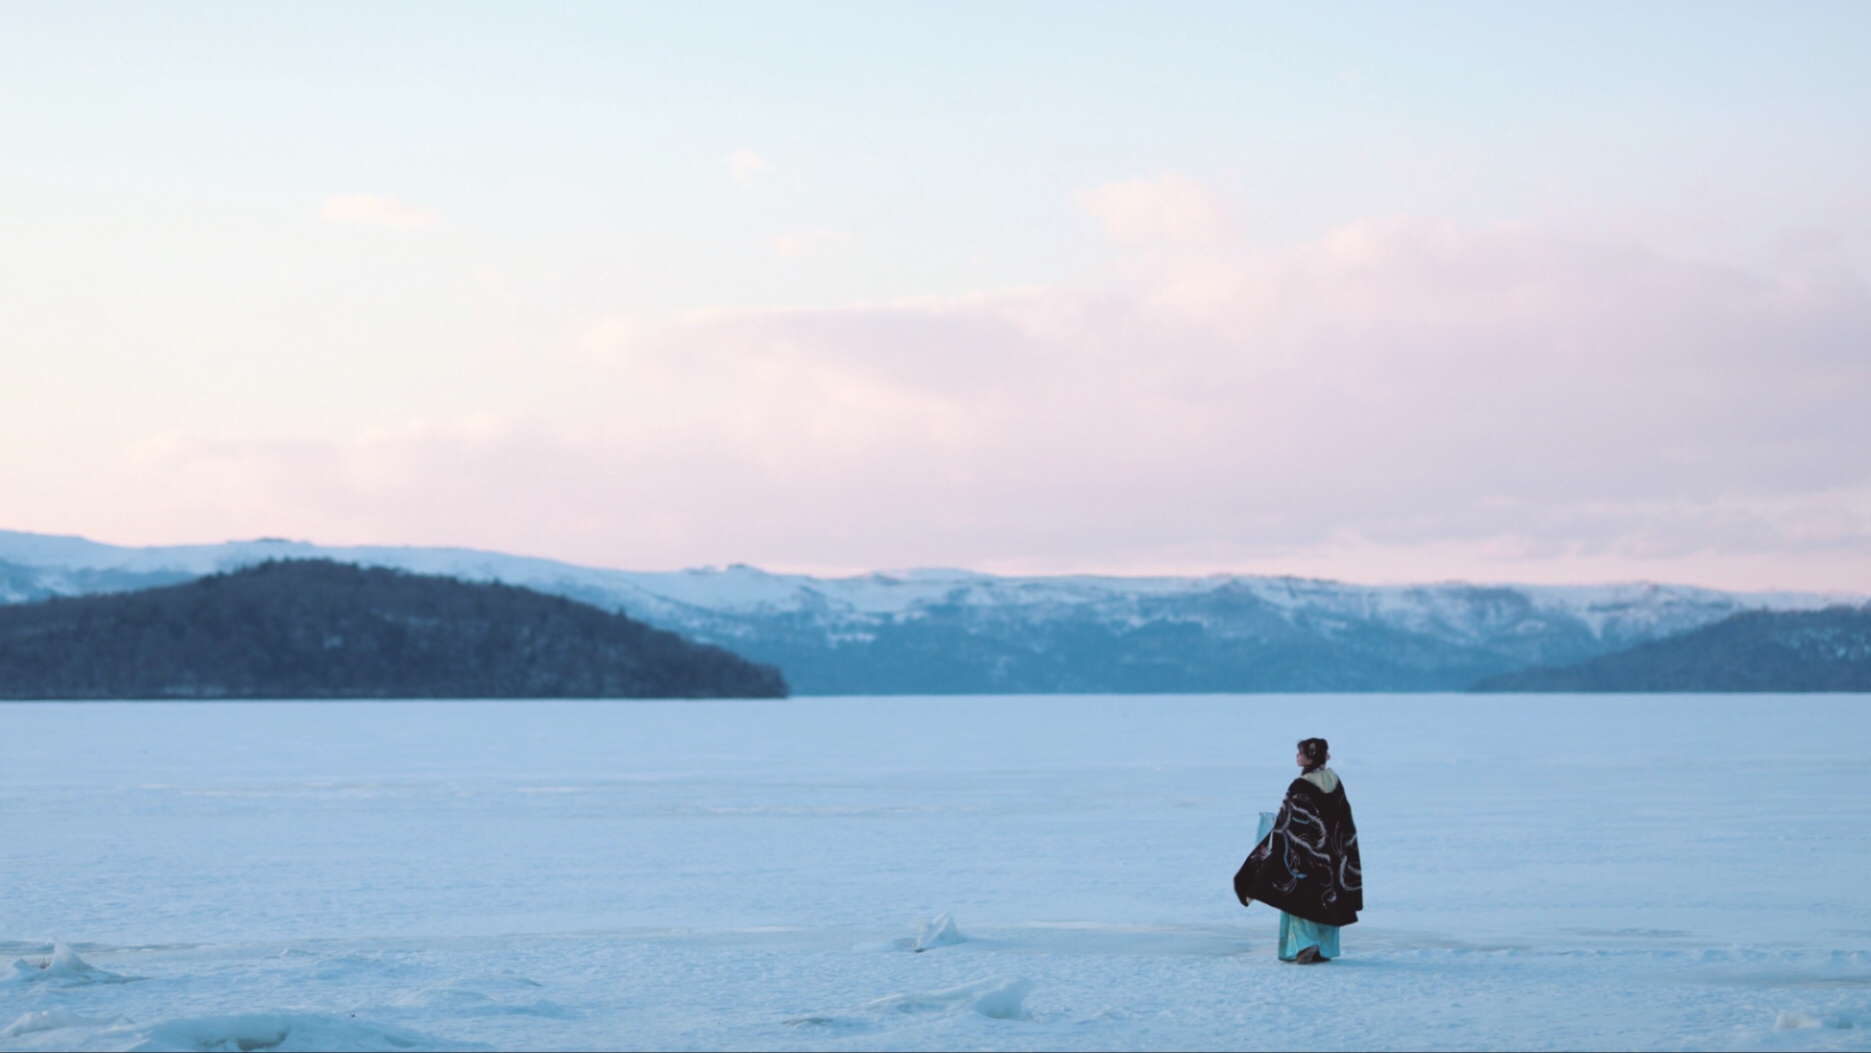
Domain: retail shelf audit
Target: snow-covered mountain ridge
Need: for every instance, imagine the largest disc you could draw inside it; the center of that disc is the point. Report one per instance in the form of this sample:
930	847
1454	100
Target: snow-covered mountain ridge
934	631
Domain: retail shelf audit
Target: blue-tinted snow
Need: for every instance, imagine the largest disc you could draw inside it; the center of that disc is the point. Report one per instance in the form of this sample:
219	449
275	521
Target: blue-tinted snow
1661	872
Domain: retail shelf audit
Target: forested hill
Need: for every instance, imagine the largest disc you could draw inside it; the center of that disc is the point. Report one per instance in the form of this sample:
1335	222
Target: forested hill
320	629
1825	650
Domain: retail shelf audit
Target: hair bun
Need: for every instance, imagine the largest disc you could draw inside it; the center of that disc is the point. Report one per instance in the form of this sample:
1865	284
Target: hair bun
1316	750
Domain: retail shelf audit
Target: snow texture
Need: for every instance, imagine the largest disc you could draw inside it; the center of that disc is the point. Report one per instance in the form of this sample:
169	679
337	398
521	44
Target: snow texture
1560	872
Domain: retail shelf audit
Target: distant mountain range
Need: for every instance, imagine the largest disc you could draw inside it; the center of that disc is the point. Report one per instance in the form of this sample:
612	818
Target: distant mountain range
318	629
1826	650
948	631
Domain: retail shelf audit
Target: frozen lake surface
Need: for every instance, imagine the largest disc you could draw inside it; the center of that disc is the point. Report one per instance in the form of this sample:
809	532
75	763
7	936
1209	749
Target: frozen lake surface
1541	872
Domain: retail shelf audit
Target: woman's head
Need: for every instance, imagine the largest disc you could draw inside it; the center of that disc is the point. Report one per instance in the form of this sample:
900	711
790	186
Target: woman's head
1313	753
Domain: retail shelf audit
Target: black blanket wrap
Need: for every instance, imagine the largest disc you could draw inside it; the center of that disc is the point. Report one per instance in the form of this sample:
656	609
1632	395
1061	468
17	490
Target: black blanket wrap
1308	865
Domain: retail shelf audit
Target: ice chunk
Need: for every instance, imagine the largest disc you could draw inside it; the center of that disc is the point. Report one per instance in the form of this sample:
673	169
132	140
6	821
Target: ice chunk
1001	997
939	931
273	1031
63	968
504	995
1793	1021
1004	999
52	1020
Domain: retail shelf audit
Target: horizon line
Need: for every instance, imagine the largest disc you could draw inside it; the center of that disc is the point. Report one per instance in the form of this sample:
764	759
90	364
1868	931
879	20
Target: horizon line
827	574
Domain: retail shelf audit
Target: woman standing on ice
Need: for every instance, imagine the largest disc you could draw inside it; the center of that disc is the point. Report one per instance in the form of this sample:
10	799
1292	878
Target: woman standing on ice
1306	865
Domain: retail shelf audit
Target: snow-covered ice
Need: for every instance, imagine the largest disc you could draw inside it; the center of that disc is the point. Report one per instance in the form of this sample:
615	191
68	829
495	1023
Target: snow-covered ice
1551	872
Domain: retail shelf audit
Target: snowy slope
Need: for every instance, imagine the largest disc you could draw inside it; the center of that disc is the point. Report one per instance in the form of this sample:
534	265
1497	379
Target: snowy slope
934	631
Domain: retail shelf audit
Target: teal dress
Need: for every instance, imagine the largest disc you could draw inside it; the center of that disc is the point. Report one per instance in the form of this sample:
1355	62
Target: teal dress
1296	933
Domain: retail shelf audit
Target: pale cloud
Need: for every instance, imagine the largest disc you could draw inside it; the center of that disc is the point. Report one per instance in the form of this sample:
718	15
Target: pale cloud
812	239
1399	401
376	210
746	167
1168	208
604	342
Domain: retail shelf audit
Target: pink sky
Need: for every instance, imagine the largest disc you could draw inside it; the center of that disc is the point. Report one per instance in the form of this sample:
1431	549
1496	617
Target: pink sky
1459	336
1398	400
